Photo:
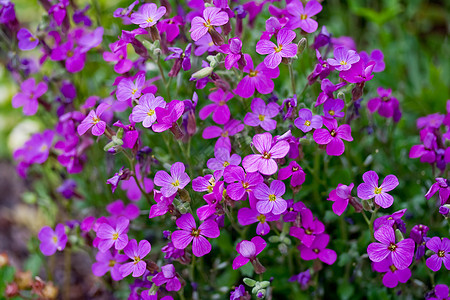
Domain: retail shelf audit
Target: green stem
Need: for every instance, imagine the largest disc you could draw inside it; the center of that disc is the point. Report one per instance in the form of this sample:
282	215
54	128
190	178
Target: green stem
372	219
291	75
132	163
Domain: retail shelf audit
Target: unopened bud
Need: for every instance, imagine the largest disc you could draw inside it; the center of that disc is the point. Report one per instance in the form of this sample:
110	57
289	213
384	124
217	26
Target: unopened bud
398	235
264	284
341	95
202	73
249	282
274	239
184	195
119	133
356	204
117	141
282	248
301	46
367	205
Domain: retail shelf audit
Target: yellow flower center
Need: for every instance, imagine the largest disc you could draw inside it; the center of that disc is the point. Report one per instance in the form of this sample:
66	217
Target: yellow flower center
392	247
225	134
441	253
137	259
266	155
133	91
303	17
115	236
308	231
149	20
176	183
272	197
316	250
95	120
331	112
151	112
261	218
31	38
279	48
261	117
333	133
245	185
253	73
377	190
207	24
393	268
343	63
195	232
307	123
55	239
210	43
294	169
222	102
226	164
112	263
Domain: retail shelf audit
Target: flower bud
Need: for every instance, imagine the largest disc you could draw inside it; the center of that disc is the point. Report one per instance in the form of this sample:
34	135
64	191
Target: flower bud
356	204
274	239
119	133
367	205
249	282
283	248
398	235
301	46
202	73
184	195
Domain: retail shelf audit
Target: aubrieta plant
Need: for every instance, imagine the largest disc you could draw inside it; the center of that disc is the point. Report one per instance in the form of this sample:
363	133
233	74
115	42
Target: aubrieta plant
197	144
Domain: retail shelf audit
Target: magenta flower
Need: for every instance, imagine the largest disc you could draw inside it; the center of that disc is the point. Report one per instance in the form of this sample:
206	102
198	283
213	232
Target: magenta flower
229	129
245	182
427	150
170	184
284	48
294	170
205	44
259	79
167	117
311	227
384	104
133	191
93	120
333	136
204	184
168	275
190	233
147	15
265	161
318	250
393	275
343	59
109	236
377	56
442	253
127	89
222	159
234	51
401	253
270	198
118	55
247	216
118	209
75	58
306	121
441	291
332	108
27	41
390	220
212	16
137	254
213	200
370	189
182	59
171	27
29	95
340	197
52	240
359	72
248	250
109	262
302	16
145	111
262	114
219	108
162	206
327	88
443	187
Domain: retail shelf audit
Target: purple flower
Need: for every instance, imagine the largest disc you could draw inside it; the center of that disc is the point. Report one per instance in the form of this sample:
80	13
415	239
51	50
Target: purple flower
318	250
145	111
332	108
385	105
133	191
442	253
219	108
259	79
117	209
237	293
265	161
333	136
109	236
262	114
433	121
212	16
170	184
441	291
168	275
270	198
171	27
124	13
29	95
212	202
343	59
234	51
245	182
401	253
167	117
126	89
306	121
27	41
359	72
205	44
294	170
247	216
222	160
427	150
190	233
302	278
204	184
229	129
418	233
370	189
284	48
121	175
327	91
137	254
118	55
443	187
389	220
109	262
162	206
182	59
248	250
321	70
147	15
393	275
302	16
52	240
93	120
340	197
311	227
377	56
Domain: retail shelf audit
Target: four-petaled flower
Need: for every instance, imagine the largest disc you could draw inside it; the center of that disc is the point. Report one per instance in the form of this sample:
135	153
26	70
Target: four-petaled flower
270	198
333	136
262	114
283	48
302	16
212	16
248	250
170	184
370	189
113	236
442	253
52	240
93	120
306	121
136	253
147	15
343	59
145	111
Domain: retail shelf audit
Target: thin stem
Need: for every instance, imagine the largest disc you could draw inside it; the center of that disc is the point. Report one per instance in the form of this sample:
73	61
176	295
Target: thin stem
132	163
291	75
67	272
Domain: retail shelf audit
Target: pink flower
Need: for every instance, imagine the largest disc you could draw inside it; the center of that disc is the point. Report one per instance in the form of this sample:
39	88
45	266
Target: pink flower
93	120
29	95
137	254
284	48
126	89
52	240
190	233
302	16
145	111
393	275
370	189
247	216
109	262
109	236
245	182
212	16
306	121
265	162
168	275
401	253
148	15
442	253
262	114
340	197
333	136
343	59
317	250
248	250
310	228
219	108
170	184
270	198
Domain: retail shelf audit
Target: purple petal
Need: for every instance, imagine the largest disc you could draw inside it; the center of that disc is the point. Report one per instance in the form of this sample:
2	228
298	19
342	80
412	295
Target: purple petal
200	246
389	183
181	239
